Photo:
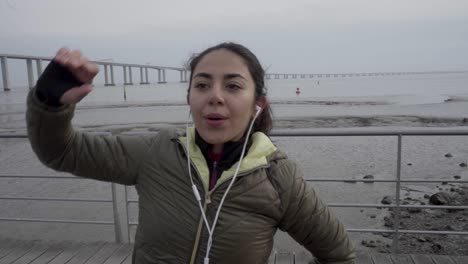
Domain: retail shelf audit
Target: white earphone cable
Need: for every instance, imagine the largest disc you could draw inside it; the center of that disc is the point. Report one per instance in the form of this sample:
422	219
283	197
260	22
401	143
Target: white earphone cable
194	187
197	194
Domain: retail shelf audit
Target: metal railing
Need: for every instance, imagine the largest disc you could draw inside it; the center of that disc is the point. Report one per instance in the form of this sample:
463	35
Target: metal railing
399	133
115	222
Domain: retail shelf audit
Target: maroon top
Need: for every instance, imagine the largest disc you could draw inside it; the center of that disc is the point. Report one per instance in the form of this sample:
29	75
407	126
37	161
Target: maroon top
215	157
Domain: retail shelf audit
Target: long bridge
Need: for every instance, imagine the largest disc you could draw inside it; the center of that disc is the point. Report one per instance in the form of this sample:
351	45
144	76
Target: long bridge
127	71
343	75
108	70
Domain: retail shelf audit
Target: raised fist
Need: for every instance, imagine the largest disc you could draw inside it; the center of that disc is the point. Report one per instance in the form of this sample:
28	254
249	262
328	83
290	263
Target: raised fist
67	79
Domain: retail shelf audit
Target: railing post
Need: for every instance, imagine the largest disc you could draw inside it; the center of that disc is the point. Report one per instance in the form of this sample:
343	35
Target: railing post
39	67
6	80
111	68
117	226
106	78
128	216
117	201
30	73
396	217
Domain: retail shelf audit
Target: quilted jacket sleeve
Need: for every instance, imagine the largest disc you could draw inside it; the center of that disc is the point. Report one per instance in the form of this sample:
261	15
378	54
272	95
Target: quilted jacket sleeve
60	147
311	223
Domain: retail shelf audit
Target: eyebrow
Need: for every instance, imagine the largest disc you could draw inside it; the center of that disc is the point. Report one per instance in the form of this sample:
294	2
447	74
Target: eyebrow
226	76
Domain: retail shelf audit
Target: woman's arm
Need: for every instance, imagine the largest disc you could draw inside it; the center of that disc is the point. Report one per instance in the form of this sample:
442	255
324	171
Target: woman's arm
310	222
50	108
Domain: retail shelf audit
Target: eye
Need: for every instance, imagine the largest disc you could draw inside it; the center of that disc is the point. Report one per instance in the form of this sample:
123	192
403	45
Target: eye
233	86
201	85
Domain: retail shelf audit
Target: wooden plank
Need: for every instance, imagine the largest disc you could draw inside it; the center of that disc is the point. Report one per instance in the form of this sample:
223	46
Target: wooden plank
120	254
303	258
422	259
7	245
128	260
36	251
363	257
440	259
28	252
86	253
382	259
402	259
21	249
284	258
103	254
68	253
53	251
460	259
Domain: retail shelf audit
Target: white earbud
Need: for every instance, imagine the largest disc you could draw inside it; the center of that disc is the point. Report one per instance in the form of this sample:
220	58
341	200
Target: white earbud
258	108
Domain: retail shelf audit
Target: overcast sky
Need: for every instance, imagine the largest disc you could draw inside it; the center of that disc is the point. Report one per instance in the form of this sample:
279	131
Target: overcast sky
307	36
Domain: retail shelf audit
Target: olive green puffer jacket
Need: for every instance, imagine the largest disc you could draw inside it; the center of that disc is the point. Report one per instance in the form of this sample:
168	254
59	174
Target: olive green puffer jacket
269	193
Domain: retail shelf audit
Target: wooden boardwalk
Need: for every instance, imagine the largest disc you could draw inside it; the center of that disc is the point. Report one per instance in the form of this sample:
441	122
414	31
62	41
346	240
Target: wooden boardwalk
39	252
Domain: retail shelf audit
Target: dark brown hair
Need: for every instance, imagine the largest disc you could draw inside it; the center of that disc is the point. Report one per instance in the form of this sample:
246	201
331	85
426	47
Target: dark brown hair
264	122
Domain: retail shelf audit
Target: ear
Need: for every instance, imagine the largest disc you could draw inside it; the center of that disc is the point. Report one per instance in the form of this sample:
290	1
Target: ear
262	102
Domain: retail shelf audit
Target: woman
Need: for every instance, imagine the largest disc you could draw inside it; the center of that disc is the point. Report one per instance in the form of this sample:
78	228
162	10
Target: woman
215	193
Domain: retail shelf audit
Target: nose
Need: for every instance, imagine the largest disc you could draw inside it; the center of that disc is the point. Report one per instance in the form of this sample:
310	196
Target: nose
216	95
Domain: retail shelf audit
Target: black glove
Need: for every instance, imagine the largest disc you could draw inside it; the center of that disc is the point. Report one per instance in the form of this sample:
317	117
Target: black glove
54	82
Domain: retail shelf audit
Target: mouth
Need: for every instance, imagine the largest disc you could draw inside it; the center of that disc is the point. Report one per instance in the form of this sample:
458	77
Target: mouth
215	116
215	120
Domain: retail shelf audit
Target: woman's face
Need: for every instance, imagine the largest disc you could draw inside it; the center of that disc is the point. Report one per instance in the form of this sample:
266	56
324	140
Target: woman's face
222	97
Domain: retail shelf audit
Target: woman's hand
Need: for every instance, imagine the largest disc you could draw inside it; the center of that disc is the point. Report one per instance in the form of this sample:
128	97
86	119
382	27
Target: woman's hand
67	79
82	69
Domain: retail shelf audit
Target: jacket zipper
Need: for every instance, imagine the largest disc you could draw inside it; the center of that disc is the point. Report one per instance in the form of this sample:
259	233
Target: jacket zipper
214	174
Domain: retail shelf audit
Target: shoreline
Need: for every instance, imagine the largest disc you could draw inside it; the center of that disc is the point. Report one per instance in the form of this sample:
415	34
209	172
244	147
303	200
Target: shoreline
290	123
349	101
